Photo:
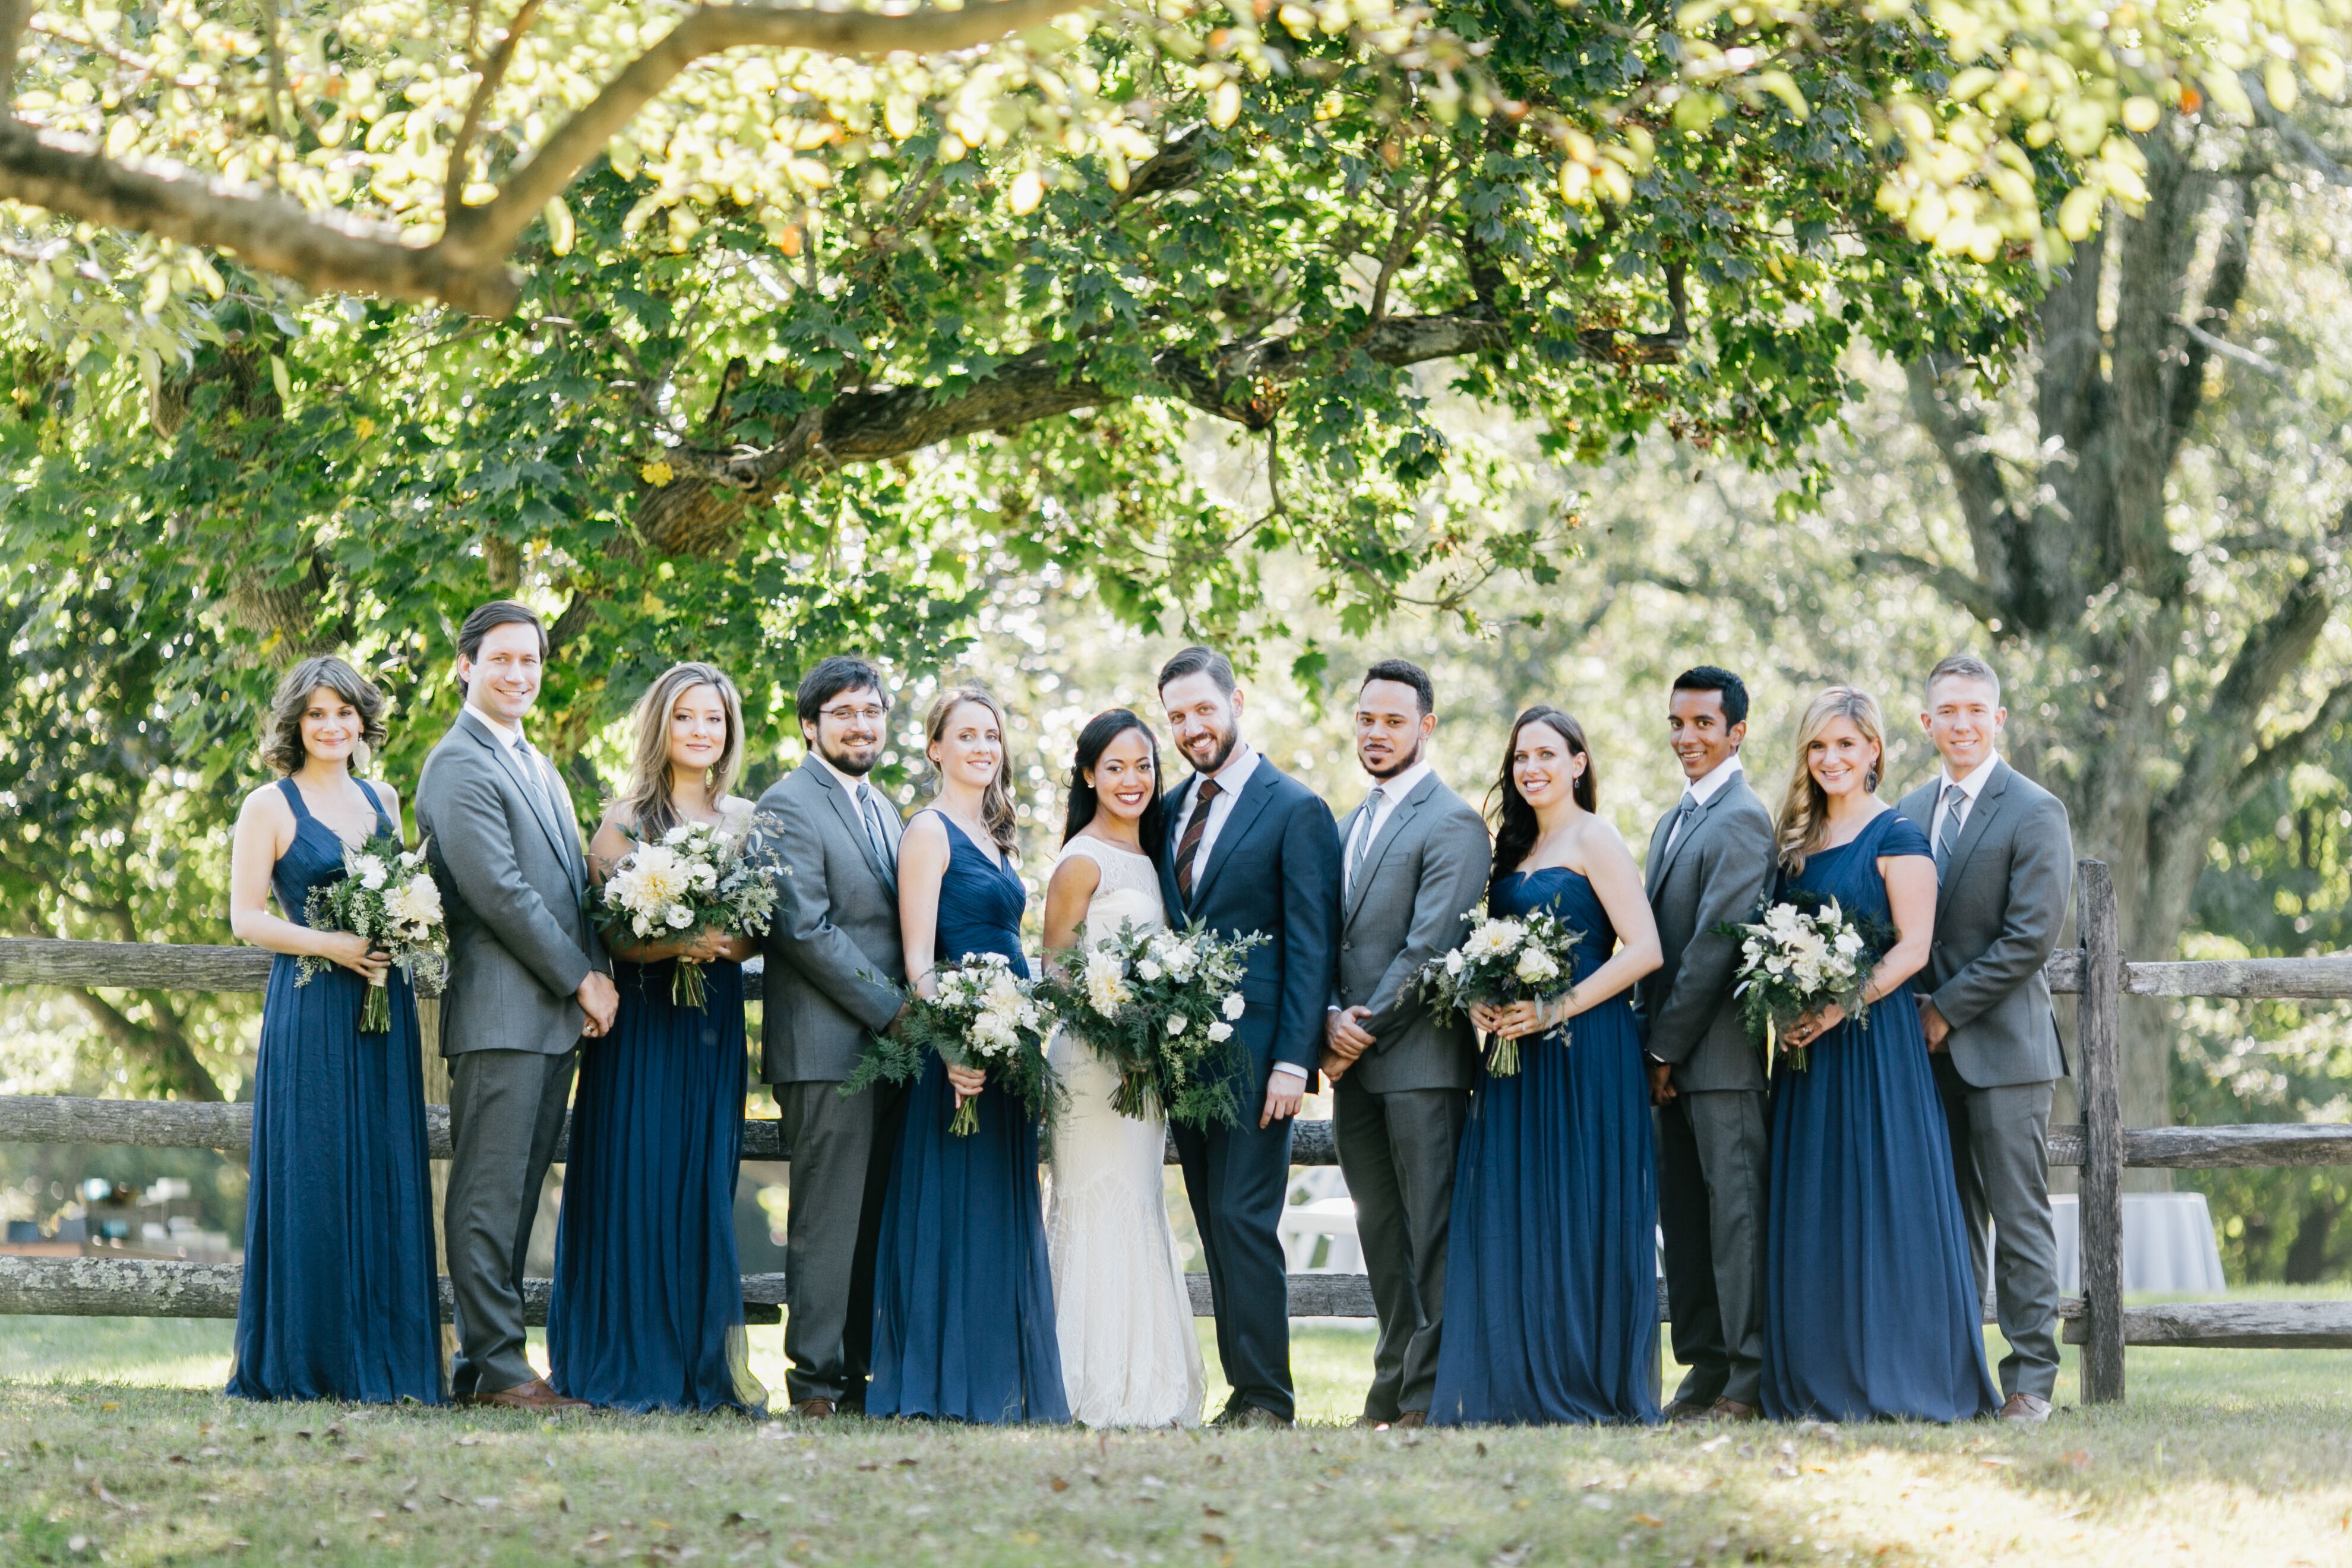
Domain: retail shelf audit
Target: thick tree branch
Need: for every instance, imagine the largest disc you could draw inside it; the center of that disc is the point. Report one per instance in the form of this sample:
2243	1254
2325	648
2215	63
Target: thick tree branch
2223	290
1948	581
2290	749
13	15
2301	144
494	72
1977	480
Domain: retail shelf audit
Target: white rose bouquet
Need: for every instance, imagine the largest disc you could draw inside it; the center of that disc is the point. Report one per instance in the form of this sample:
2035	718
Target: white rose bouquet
983	1015
1526	958
1801	956
1159	1008
387	895
695	876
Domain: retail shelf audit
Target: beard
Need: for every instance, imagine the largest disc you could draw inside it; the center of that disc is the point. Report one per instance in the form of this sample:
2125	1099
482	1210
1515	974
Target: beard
1397	764
1226	741
856	767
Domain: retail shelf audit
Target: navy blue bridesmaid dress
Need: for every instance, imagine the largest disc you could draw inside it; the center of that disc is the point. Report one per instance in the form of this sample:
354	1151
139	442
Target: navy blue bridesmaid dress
1870	1300
340	1300
963	1295
646	1311
1552	1280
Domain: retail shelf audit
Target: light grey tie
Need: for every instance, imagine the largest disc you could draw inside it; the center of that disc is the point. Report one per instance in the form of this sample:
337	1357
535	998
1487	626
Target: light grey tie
1949	835
872	811
1684	812
1364	837
530	762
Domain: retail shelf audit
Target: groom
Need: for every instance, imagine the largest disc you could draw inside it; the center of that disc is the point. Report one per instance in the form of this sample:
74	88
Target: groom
528	978
1250	850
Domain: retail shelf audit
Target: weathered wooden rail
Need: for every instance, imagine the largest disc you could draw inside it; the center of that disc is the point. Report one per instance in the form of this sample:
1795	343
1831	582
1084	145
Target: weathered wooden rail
2100	1146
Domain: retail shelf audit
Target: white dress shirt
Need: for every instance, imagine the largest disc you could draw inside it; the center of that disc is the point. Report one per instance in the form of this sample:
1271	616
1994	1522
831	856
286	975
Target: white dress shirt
1369	824
1971	787
1704	788
510	736
1232	779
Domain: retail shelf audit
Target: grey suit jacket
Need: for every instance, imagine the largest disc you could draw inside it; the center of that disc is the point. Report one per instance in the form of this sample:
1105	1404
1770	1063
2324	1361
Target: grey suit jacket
1427	870
1716	872
515	881
1998	909
833	948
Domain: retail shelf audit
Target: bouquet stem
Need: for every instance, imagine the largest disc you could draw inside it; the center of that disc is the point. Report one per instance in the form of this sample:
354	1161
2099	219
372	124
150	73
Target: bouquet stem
376	1013
966	1120
1503	1061
686	984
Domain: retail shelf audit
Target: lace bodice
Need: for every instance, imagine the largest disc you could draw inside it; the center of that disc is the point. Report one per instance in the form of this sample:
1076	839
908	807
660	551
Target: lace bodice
1128	891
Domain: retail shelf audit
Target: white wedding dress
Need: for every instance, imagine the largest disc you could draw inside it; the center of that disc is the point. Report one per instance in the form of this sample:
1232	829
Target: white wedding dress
1130	1357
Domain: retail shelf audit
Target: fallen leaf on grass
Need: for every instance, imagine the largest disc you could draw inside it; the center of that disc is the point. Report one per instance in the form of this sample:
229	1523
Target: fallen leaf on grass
869	1464
1212	1511
110	1405
1025	1538
1058	1483
905	1459
2076	1458
1210	1538
1995	1461
1652	1520
467	1441
597	1538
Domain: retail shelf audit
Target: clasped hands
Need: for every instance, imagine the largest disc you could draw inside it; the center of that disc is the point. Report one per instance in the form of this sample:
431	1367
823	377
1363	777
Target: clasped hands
1518	1020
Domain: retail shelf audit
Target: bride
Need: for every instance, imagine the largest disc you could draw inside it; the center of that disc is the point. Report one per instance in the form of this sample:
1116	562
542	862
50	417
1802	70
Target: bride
1130	1357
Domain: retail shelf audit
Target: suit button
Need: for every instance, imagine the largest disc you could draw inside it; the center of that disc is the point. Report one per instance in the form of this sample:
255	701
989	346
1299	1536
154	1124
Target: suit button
1346	947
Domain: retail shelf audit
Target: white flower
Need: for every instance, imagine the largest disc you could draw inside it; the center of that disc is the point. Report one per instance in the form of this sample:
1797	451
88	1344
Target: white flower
1181	958
1175	1024
371	871
1220	1032
1495	939
679	834
1105	980
679	917
1536	966
415	905
1234	1005
1848	943
1454	962
1148	969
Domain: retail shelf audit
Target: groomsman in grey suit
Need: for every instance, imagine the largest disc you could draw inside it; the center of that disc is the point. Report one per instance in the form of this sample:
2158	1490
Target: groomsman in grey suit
2004	871
1414	858
528	978
1709	863
832	957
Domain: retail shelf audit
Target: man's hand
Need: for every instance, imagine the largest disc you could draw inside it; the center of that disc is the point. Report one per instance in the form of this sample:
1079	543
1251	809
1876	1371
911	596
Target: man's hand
1343	1032
600	1001
1284	1091
897	1018
1335	1066
1662	1082
1938	1029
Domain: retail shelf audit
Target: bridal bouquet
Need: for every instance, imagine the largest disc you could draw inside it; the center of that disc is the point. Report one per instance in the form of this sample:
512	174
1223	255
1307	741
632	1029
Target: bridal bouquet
983	1015
1159	1008
696	876
1803	956
387	895
1502	961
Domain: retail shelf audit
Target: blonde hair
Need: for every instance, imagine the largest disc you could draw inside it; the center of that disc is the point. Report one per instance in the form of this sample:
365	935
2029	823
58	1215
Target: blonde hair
647	794
1804	812
996	800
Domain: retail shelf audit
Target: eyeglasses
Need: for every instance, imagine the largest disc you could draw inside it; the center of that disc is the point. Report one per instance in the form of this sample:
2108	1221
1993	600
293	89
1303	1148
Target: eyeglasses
854	715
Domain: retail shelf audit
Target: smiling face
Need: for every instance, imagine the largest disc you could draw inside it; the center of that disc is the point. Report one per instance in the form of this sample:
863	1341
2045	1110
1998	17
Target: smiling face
970	747
1544	766
1695	729
1841	758
1122	777
698	731
1964	718
330	726
1205	720
502	678
848	732
1391	732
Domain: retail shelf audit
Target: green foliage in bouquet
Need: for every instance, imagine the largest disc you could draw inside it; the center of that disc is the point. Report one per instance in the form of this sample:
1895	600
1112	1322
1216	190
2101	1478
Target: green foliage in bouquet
1159	1008
1505	960
1801	955
387	895
983	1015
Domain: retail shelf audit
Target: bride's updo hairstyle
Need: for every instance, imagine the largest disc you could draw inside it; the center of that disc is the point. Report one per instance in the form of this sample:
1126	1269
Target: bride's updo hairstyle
1805	810
281	744
1093	741
996	802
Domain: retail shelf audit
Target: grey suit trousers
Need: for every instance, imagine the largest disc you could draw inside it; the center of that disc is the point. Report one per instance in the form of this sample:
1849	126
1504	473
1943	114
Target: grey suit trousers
505	1112
2000	1159
1712	1178
840	1149
1397	1151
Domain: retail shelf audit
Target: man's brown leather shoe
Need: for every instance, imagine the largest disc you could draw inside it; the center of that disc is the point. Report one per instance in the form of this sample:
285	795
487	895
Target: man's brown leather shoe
2029	1408
1408	1419
1731	1410
817	1409
532	1395
1683	1412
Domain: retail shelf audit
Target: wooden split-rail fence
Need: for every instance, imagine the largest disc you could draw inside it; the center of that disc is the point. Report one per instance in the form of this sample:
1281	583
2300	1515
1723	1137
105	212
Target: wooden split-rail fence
2100	1146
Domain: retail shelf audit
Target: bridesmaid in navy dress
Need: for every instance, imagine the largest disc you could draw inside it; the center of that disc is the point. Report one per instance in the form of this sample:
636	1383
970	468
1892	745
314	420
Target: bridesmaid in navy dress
339	1300
1551	1292
1870	1300
647	1308
963	1295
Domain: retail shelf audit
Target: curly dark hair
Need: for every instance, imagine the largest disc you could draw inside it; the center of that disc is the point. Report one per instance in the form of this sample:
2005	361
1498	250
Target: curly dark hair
281	744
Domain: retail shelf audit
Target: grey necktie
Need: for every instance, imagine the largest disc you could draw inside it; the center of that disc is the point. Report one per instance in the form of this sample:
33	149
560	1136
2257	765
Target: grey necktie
529	762
1949	835
1364	838
1683	814
872	811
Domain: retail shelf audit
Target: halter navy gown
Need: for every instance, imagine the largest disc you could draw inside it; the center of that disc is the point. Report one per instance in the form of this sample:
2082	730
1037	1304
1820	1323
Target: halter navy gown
646	1312
1552	1280
963	1295
339	1300
1870	1300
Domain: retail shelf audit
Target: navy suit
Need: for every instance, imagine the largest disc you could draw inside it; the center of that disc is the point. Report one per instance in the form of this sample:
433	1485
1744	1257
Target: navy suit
1274	868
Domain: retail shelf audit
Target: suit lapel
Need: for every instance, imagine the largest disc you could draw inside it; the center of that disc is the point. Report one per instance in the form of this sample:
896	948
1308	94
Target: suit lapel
1980	816
540	800
1403	814
1654	864
853	823
1699	821
1237	822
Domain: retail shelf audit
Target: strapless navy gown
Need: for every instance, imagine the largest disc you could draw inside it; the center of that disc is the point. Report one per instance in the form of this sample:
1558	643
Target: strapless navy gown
1870	1300
963	1294
340	1301
1551	1281
646	1312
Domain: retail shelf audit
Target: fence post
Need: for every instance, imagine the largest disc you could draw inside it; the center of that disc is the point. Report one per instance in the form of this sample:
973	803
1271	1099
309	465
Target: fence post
2099	1016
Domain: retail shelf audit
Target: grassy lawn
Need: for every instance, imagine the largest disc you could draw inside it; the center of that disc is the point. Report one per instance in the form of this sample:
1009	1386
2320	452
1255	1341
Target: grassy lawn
112	1447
